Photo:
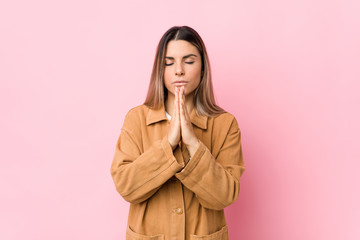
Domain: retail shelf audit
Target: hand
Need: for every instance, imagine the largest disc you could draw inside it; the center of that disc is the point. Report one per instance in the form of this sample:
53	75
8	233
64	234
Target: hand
174	127
187	131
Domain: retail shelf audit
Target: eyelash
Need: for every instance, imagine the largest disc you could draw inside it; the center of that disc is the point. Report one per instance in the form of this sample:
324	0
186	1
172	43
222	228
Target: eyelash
169	64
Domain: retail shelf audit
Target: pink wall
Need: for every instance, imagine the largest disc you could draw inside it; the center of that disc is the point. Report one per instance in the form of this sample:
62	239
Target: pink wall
288	70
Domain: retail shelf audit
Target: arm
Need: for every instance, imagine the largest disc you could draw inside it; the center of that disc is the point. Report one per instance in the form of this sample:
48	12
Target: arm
216	181
137	176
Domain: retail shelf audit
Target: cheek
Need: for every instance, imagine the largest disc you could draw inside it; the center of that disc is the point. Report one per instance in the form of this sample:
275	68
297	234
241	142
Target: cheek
196	74
168	75
167	81
196	70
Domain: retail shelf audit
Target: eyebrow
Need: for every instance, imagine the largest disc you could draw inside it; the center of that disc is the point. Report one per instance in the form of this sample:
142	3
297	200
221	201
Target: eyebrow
186	56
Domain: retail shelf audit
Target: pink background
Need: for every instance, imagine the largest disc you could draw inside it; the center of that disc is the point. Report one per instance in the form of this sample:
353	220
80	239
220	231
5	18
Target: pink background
288	70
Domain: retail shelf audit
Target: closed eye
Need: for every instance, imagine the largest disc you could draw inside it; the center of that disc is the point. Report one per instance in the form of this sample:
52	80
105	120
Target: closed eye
169	64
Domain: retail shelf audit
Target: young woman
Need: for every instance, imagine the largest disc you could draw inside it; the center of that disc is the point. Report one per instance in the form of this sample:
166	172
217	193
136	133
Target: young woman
178	159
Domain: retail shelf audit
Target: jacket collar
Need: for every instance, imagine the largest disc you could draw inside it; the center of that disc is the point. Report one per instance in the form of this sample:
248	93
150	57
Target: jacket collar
157	115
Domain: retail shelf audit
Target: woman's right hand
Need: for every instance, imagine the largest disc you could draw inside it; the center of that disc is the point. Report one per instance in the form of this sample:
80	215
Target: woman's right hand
174	132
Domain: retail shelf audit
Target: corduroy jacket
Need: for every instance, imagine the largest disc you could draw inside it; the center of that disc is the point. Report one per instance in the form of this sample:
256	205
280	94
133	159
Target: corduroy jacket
172	196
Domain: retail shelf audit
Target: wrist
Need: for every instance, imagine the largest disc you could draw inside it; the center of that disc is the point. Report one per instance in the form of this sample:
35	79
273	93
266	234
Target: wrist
171	145
193	147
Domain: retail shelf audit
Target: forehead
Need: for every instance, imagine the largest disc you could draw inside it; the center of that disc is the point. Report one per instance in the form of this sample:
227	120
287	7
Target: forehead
180	48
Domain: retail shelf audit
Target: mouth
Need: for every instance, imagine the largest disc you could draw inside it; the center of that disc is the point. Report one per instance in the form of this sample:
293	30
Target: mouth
180	82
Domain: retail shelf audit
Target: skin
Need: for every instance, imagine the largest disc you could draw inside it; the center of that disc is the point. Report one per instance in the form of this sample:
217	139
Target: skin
182	62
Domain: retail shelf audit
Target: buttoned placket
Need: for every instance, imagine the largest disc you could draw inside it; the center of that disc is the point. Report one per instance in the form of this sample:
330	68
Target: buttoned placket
176	202
177	206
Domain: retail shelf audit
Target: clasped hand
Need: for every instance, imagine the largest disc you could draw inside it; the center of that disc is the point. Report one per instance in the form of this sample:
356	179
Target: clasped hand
180	125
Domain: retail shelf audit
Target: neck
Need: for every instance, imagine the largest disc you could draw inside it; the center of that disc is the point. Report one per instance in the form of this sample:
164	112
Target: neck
170	105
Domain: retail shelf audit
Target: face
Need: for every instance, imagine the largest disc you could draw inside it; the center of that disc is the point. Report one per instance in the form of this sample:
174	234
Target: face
182	66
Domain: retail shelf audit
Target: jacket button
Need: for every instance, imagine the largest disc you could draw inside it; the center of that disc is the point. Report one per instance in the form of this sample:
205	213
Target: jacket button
178	211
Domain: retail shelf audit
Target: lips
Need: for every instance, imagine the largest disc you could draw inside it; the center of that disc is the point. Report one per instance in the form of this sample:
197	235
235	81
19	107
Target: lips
180	82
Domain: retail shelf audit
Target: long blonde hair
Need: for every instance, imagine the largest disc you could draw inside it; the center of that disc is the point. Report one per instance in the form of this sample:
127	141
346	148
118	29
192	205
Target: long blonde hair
204	100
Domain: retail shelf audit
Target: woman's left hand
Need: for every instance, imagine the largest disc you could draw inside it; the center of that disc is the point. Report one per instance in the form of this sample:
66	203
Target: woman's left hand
187	131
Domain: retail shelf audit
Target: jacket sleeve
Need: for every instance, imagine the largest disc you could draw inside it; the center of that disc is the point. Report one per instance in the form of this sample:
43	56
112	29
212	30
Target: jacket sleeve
138	175
216	181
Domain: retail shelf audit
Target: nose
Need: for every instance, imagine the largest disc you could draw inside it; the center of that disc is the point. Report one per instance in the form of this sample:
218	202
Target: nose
179	70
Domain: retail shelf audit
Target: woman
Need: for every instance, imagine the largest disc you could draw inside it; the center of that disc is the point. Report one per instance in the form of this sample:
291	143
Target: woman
178	159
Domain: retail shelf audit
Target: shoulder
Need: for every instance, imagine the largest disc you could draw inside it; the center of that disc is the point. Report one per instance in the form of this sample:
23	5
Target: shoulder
138	111
223	127
135	117
225	121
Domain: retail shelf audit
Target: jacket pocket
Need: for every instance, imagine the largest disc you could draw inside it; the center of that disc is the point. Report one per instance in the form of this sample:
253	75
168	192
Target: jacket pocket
131	235
222	234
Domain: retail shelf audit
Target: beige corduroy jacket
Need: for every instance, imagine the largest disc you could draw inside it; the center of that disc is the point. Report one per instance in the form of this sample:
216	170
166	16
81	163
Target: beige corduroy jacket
172	196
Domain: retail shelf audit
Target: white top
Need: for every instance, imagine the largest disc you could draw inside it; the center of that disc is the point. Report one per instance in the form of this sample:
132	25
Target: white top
167	115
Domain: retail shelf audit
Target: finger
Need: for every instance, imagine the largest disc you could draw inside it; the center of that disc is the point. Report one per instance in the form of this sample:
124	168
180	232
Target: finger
174	112
186	113
176	99
180	101
182	105
177	103
183	100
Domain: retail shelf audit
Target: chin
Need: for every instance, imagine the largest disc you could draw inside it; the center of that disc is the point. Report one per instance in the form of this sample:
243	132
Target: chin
186	91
